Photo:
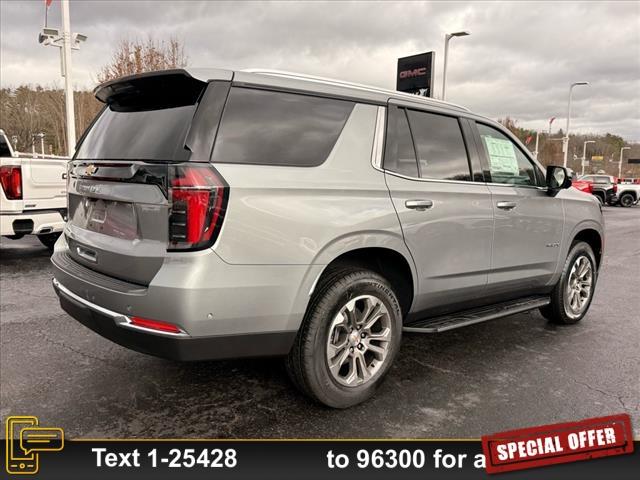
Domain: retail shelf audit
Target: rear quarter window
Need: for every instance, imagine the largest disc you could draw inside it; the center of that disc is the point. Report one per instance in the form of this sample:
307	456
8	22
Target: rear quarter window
263	127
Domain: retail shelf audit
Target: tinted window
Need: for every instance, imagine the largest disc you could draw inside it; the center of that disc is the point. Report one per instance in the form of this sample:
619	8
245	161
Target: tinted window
440	146
507	163
156	134
4	148
399	155
276	128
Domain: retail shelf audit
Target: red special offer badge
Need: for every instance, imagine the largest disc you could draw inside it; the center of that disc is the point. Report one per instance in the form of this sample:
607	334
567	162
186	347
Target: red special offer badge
559	443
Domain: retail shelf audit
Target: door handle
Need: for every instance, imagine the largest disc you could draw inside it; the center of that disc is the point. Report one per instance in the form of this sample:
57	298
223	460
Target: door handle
419	205
506	205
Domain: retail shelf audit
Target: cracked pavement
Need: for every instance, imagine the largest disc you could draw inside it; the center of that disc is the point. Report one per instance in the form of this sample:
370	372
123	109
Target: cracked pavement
514	372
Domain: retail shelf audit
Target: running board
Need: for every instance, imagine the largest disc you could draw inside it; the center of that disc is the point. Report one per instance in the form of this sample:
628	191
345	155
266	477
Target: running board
476	315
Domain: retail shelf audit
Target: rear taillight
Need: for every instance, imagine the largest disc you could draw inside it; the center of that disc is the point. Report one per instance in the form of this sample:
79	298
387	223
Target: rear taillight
11	180
198	197
615	188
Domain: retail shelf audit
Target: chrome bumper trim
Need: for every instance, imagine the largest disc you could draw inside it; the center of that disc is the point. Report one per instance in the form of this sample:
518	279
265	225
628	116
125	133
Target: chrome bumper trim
120	320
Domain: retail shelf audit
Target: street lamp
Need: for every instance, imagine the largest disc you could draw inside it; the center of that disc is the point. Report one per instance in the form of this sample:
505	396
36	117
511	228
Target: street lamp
584	154
448	37
620	162
65	41
565	143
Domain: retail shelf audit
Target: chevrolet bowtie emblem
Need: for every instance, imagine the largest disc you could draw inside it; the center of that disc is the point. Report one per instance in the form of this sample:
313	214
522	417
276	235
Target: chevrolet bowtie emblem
90	170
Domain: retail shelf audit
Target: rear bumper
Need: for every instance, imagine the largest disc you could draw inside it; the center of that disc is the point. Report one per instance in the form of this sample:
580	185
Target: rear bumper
26	223
225	311
179	346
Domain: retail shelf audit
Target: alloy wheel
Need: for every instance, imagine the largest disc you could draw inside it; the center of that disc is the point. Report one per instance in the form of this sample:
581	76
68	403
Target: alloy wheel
359	340
579	287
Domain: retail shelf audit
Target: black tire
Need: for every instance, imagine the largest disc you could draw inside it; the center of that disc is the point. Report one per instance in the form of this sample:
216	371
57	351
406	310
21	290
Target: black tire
307	362
557	312
626	200
49	239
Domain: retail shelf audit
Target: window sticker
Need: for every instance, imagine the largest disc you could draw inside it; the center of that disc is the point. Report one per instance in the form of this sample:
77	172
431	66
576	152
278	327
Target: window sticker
502	155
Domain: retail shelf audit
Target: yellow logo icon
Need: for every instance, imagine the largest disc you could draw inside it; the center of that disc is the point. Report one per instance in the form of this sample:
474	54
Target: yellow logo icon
25	440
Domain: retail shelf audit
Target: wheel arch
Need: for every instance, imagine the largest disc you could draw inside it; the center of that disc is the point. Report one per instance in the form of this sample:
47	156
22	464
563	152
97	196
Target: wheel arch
387	262
381	251
633	193
595	241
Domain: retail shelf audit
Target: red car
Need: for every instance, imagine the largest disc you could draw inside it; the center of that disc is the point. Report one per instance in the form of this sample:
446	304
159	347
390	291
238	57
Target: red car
583	185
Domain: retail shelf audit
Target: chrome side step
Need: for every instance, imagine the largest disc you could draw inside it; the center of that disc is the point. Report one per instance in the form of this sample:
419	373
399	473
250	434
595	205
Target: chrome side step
476	315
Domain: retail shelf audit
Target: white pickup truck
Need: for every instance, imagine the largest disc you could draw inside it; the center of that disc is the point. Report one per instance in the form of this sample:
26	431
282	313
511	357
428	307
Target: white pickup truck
628	194
33	194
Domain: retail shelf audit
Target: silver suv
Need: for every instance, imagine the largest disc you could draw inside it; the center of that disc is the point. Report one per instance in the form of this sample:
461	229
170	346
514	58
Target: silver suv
217	214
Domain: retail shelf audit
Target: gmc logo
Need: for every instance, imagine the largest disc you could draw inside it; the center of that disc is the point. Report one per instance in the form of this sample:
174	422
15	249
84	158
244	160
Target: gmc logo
416	72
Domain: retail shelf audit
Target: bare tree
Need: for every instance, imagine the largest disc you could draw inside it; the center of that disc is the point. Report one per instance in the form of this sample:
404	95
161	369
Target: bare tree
135	56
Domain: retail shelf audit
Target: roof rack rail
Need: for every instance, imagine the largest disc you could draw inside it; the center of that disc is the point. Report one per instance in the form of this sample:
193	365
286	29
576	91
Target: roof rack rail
358	86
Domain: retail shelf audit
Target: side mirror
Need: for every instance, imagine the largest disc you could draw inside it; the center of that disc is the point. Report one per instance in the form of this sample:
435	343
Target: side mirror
557	178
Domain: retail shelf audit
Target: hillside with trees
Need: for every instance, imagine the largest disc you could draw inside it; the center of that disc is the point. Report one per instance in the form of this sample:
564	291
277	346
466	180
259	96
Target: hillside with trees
606	145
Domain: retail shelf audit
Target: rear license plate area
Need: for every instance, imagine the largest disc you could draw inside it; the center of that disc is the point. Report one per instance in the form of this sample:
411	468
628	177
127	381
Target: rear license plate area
108	217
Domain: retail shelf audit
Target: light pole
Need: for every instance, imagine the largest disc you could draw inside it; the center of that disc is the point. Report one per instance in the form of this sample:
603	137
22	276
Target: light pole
565	143
68	86
620	162
550	122
448	37
584	154
65	41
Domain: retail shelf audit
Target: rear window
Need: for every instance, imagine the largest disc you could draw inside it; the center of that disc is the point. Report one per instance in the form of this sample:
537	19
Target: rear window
399	156
264	127
4	148
146	117
440	147
150	134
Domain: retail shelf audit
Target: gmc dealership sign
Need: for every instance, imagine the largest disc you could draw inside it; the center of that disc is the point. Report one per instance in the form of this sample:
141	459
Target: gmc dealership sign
415	73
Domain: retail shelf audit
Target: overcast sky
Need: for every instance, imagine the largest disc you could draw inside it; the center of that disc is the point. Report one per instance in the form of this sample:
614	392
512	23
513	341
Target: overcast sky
519	60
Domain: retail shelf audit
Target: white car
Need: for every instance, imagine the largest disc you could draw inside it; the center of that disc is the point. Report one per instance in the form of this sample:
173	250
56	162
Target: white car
33	195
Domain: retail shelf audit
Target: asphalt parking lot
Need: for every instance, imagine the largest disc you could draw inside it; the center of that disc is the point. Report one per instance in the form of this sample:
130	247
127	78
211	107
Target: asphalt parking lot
515	372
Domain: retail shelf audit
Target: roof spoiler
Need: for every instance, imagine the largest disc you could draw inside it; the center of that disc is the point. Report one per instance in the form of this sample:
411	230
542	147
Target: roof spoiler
151	90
